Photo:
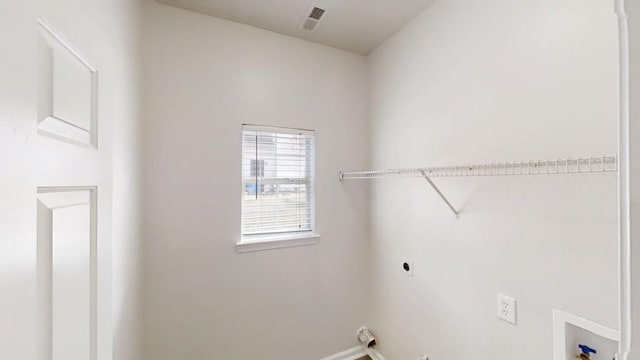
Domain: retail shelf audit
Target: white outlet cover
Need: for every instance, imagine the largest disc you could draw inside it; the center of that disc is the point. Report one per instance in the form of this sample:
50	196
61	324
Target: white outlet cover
409	263
507	309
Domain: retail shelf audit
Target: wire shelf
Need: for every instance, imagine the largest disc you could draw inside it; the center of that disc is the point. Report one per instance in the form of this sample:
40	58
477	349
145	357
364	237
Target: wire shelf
576	165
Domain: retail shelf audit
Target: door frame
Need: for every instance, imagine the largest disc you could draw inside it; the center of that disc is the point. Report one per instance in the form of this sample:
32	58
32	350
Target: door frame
628	252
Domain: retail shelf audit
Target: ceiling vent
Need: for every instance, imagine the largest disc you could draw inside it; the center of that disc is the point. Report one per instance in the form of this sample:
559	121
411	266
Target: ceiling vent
316	13
311	22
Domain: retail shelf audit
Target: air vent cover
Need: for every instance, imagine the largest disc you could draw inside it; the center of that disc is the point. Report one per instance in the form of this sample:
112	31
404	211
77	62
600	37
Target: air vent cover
310	24
316	13
311	21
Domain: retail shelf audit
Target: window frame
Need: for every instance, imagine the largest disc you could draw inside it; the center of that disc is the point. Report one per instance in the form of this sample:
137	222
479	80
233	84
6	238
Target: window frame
275	240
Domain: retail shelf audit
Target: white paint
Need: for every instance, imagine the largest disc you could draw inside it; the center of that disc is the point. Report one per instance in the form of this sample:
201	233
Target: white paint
536	83
375	354
122	20
277	242
68	86
629	179
73	290
353	353
466	83
560	321
205	77
66	273
624	189
507	309
354	25
68	90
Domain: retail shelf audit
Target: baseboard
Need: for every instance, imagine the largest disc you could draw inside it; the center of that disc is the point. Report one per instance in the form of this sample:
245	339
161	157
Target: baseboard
374	354
354	353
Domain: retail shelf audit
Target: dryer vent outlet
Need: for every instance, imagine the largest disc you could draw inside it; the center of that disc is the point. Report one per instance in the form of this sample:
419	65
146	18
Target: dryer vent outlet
365	337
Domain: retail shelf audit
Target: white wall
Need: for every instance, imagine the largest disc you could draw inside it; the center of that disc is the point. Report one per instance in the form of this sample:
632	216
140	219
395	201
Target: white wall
480	81
204	77
127	235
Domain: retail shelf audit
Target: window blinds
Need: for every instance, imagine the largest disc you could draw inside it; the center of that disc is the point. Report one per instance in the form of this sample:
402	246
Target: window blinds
277	180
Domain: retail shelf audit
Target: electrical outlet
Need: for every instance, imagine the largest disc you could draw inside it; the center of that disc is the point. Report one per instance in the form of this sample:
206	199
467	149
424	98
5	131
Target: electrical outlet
507	309
407	267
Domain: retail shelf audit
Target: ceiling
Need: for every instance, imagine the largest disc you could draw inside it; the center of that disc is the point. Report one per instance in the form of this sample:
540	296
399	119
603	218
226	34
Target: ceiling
354	25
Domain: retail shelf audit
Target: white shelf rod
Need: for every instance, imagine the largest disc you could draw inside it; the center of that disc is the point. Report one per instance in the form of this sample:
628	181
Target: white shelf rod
577	165
444	198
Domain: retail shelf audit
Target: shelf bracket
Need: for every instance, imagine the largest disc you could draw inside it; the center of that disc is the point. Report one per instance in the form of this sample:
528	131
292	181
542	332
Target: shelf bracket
444	198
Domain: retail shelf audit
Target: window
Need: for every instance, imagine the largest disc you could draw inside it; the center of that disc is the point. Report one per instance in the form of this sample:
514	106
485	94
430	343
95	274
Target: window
277	182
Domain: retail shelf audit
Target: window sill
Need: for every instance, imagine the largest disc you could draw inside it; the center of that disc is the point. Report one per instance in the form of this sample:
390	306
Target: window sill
276	242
